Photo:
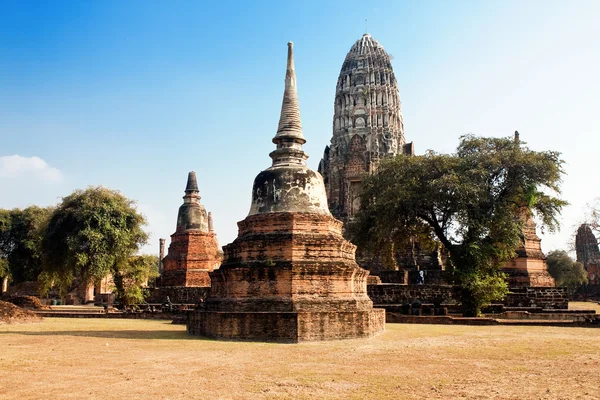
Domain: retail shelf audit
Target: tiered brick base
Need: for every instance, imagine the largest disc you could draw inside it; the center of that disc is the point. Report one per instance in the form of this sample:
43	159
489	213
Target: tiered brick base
288	277
192	255
286	326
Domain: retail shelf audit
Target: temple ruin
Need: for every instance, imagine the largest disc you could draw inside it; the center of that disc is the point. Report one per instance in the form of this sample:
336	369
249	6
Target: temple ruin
529	268
367	125
586	247
289	275
194	250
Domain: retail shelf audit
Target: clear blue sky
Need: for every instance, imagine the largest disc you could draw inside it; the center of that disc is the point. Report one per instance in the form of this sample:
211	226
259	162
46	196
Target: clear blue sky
134	94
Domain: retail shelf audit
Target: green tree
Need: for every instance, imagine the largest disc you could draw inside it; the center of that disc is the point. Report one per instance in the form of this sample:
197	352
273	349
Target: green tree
4	273
472	201
92	233
131	277
4	247
21	233
566	271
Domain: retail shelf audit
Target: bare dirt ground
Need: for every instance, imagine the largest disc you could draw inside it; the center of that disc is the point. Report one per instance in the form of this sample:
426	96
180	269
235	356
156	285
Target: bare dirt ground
13	314
141	359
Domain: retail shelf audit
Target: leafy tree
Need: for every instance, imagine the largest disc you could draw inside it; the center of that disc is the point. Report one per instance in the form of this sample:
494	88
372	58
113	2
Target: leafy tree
5	227
4	272
472	201
21	233
132	275
566	271
5	224
92	233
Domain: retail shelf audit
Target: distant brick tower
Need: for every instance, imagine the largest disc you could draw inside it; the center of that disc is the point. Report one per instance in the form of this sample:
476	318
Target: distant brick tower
586	247
367	125
289	275
194	250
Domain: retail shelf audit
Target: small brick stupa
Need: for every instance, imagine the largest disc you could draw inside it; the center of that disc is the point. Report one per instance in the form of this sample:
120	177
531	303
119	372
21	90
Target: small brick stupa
290	275
529	268
194	250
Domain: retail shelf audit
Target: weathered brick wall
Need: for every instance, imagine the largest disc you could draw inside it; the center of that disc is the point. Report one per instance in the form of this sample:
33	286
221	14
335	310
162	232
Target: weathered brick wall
394	276
192	254
178	295
288	277
390	293
545	297
550	298
286	326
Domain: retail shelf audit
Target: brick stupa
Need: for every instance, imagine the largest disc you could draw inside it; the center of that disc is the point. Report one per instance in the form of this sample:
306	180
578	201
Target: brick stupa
289	276
529	268
194	250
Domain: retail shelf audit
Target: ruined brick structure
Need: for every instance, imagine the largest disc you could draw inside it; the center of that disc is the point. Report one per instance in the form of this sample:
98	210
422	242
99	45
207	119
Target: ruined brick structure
161	255
194	250
392	294
367	125
529	268
289	275
586	247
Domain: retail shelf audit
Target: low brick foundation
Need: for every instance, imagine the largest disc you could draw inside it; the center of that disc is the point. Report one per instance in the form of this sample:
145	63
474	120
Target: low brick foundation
545	297
286	326
391	293
178	294
438	320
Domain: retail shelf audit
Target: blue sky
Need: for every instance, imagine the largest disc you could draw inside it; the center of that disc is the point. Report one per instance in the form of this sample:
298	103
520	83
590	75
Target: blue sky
134	94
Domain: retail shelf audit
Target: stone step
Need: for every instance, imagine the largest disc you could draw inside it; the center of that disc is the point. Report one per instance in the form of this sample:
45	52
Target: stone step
54	312
536	322
76	309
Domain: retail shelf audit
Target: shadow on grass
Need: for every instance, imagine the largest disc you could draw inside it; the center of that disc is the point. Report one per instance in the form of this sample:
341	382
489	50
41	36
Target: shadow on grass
113	334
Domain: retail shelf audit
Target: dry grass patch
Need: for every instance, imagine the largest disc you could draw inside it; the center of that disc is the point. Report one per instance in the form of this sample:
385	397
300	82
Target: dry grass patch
100	358
584	305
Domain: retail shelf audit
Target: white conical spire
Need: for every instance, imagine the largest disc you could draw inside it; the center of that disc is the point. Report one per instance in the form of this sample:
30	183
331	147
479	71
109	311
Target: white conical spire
289	120
289	138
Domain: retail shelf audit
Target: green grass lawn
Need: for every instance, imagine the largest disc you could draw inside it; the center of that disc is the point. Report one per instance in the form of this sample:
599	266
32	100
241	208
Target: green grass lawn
143	359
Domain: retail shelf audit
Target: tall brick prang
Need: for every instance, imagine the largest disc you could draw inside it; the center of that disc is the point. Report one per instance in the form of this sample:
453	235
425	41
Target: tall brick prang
194	250
367	125
290	275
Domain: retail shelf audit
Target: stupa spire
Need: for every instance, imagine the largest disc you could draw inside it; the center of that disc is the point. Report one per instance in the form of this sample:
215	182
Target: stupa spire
192	184
289	138
192	214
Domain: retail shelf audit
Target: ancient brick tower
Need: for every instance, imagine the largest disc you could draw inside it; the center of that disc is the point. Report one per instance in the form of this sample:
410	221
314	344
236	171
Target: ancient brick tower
367	124
194	250
586	247
529	268
289	275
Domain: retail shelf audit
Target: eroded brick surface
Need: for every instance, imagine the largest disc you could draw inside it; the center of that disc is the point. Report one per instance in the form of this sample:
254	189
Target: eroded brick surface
194	250
290	275
192	255
529	268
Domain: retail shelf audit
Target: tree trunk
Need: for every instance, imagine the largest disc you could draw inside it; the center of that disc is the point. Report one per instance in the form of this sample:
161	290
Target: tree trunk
4	284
